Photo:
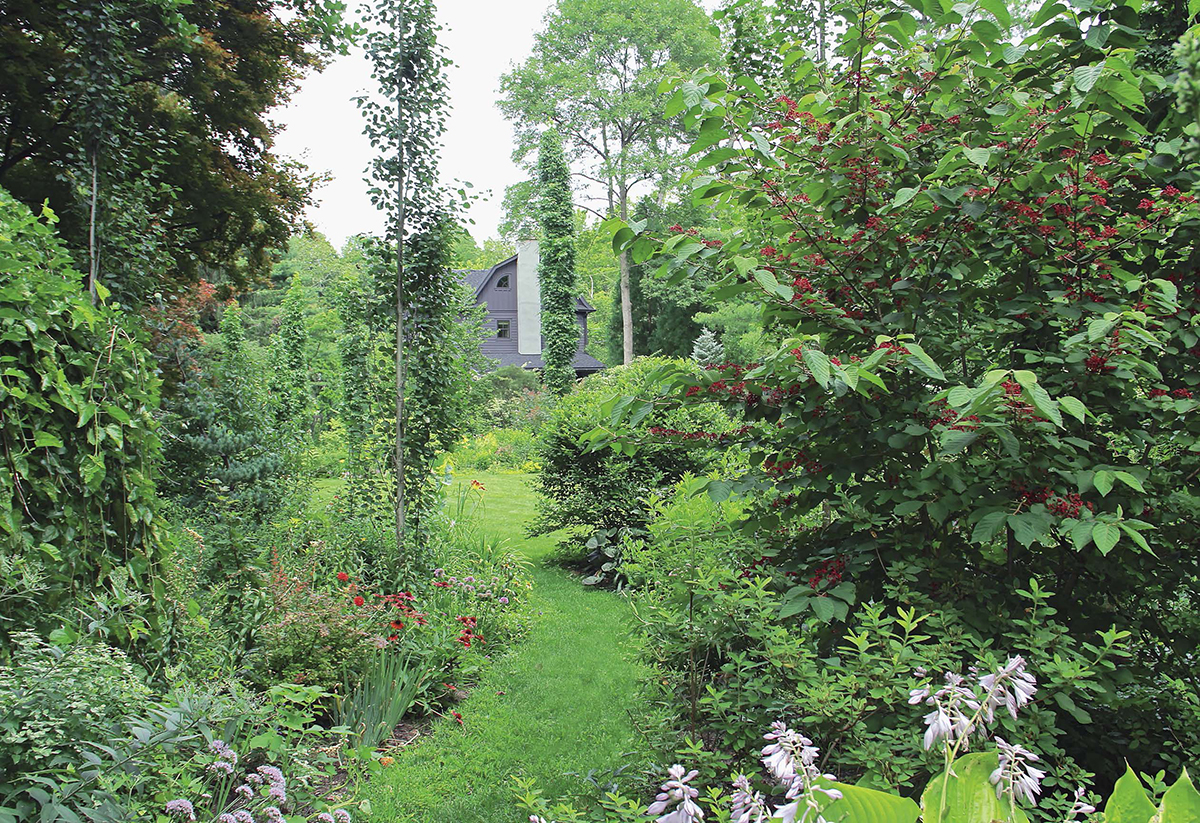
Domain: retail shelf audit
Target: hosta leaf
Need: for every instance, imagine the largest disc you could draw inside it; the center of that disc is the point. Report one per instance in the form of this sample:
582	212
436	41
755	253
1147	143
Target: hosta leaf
969	795
1129	802
1181	803
860	803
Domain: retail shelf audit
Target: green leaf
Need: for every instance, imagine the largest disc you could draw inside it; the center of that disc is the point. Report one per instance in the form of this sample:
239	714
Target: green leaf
827	609
978	156
1081	534
924	363
1086	76
955	440
1014	53
1181	803
969	795
794	604
1105	536
1073	407
1104	482
903	196
1027	528
1068	705
999	10
869	805
1129	480
1129	802
46	439
818	363
988	527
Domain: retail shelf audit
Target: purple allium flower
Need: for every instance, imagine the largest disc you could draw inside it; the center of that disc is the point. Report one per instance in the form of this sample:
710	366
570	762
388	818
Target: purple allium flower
226	817
221	766
452	579
243	816
1015	776
676	792
273	814
245	791
341	816
438	572
324	817
180	807
272	775
278	794
504	601
469	579
254	779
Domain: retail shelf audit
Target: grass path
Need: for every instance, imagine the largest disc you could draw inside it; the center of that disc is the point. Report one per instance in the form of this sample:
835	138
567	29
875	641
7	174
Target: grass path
557	702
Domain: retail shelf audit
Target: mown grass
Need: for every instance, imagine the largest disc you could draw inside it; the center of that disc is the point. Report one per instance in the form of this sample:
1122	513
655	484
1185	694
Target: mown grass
561	701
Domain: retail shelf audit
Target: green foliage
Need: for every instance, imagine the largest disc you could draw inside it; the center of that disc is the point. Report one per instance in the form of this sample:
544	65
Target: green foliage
988	371
372	707
290	377
500	449
556	267
77	390
166	101
606	493
57	702
708	348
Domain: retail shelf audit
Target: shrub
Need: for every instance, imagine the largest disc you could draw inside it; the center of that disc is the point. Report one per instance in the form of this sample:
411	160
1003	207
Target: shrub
605	495
497	450
987	273
76	398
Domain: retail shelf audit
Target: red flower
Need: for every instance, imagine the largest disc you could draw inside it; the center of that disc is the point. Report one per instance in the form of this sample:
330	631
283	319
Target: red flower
343	577
1182	394
358	600
441	584
458	717
396	624
1146	203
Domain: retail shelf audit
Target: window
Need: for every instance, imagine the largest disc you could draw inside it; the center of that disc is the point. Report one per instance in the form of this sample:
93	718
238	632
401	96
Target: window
502	328
502	283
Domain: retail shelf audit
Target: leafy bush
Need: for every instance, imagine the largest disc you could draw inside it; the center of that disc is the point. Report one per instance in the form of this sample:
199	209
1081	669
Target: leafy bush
56	701
990	375
76	490
605	495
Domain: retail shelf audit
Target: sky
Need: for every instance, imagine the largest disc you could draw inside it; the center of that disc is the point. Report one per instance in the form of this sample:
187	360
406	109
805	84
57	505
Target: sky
323	128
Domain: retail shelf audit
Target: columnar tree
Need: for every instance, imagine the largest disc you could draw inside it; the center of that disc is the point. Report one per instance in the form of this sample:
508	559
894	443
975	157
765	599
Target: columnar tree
405	123
556	270
594	76
291	376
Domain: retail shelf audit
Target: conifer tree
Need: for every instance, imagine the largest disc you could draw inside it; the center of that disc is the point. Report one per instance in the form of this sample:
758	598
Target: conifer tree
291	378
708	349
556	270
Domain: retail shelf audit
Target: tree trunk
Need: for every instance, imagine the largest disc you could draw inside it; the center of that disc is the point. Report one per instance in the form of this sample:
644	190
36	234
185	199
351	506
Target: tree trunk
400	358
626	299
93	252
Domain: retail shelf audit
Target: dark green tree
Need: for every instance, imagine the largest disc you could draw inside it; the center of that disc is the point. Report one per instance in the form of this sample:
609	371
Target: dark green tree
290	377
556	270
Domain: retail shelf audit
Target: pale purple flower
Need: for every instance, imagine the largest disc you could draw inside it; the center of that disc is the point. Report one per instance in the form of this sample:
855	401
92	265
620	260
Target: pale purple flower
181	808
748	806
1081	806
438	572
504	601
220	766
676	792
272	775
324	817
278	794
1009	686
243	816
226	817
274	815
245	791
452	579
1015	775
468	579
222	750
341	816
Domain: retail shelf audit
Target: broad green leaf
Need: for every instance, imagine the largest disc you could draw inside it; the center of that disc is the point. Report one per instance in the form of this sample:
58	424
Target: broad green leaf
1068	705
923	362
1129	802
1081	534
955	440
861	803
46	439
1027	528
978	156
1073	407
988	527
1086	76
1014	53
1041	401
999	10
1129	480
828	609
969	795
1181	803
903	196
1104	482
1105	536
818	363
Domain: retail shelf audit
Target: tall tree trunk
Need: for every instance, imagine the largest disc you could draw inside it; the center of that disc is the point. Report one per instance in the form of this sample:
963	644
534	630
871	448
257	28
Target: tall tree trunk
626	298
93	252
400	358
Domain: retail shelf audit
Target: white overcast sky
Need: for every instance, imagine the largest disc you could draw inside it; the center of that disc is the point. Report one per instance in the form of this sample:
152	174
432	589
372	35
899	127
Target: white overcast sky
323	128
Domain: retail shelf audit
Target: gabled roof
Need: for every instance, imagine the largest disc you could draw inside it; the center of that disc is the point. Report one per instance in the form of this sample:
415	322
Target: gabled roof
478	279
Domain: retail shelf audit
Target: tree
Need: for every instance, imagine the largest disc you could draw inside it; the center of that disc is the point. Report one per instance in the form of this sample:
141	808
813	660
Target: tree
983	257
593	76
161	108
290	378
708	349
556	267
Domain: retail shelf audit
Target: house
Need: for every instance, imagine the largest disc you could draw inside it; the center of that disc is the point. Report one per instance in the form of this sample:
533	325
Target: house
510	292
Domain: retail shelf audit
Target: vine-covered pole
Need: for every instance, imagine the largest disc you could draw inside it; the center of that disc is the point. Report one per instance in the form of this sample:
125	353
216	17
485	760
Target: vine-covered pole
401	360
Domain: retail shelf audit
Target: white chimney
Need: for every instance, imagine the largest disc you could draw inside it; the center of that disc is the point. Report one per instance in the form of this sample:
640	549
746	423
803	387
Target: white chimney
529	299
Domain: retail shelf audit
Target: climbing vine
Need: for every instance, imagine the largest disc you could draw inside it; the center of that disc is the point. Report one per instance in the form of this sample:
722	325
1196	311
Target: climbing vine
556	270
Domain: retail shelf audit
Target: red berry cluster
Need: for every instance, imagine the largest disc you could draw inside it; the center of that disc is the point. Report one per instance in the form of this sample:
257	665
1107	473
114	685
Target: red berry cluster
662	431
1068	506
942	415
830	572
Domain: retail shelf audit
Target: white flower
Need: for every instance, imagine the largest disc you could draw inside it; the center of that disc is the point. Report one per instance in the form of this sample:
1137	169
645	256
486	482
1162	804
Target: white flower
1015	776
676	792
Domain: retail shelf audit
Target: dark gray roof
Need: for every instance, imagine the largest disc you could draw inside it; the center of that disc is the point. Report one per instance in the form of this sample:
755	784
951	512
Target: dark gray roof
478	278
583	361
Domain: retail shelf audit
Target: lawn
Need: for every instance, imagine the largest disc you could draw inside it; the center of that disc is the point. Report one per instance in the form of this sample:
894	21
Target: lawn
559	702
